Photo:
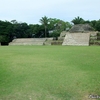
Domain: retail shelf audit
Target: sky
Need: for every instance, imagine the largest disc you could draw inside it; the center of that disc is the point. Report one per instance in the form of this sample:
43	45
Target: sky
31	11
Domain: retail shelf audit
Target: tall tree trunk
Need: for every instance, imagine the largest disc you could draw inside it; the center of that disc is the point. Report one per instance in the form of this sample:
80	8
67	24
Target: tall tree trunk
45	31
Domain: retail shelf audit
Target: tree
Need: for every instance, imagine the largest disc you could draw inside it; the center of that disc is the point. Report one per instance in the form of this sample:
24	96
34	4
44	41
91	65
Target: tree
44	21
78	20
6	31
97	25
36	30
14	21
20	30
68	25
56	26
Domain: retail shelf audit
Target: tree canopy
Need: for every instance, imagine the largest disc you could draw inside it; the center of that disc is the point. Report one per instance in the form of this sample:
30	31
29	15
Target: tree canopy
49	27
78	20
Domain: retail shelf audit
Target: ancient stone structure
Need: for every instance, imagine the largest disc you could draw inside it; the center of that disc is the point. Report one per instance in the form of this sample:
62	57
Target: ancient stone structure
76	39
28	41
81	28
63	34
79	35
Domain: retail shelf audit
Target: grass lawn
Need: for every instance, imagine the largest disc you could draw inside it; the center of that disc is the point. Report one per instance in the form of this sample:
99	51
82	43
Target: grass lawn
49	72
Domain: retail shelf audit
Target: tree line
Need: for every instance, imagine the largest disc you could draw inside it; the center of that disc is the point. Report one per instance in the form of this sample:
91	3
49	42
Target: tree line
50	27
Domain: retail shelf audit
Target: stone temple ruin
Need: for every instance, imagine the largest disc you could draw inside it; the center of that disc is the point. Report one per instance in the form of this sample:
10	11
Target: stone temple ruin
78	35
28	41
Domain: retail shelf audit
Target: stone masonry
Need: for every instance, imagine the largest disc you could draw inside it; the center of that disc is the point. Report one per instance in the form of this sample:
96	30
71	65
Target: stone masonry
76	39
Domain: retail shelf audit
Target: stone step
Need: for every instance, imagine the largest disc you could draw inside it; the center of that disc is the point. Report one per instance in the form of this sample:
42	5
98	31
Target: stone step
28	41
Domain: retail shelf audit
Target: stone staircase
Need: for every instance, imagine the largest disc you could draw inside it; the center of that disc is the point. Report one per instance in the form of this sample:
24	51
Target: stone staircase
48	41
76	39
28	41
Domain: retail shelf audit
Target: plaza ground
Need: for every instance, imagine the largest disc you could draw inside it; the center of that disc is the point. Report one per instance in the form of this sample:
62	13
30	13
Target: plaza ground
49	72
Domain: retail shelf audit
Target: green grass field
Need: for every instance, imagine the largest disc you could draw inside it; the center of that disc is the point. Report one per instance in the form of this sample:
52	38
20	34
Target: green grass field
49	72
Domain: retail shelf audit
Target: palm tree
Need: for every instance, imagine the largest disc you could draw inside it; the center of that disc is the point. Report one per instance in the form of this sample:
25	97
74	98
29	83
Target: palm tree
44	21
78	20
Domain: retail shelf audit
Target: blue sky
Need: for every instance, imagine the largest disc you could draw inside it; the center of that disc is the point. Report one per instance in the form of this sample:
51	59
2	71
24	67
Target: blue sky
31	11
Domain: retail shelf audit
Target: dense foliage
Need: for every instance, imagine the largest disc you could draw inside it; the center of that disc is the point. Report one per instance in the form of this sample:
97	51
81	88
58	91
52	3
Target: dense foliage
94	23
50	27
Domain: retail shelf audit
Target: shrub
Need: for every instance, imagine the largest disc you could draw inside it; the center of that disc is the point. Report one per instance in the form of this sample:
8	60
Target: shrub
98	36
